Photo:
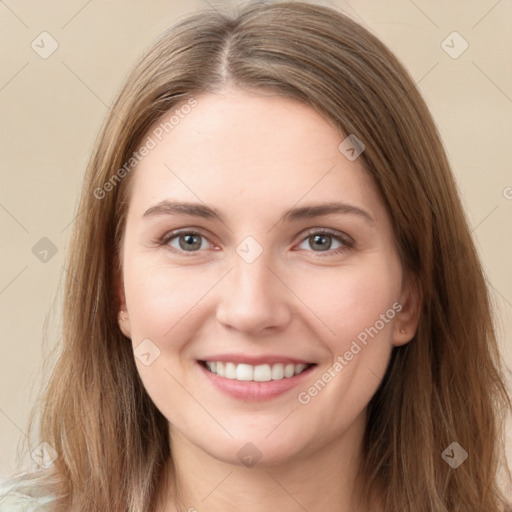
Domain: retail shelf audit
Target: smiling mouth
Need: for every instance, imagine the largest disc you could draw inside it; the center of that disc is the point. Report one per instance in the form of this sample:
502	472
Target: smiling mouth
257	373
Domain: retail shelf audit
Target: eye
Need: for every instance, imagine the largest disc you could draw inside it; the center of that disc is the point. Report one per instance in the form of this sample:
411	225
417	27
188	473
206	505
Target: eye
322	239
193	241
188	241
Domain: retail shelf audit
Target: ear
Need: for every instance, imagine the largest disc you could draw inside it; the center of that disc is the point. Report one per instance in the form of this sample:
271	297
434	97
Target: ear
123	319
408	317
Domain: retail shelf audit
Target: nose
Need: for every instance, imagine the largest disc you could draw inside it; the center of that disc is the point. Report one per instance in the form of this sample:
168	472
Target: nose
254	297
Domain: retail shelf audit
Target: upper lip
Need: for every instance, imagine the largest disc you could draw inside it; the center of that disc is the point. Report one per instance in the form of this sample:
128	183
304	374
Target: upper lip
254	360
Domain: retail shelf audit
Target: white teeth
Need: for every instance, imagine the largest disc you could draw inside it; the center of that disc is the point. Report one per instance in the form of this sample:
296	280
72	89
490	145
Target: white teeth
230	371
244	372
289	370
277	371
299	368
262	373
259	373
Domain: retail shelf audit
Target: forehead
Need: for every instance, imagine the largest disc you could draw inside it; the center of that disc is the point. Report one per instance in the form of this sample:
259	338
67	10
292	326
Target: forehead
251	151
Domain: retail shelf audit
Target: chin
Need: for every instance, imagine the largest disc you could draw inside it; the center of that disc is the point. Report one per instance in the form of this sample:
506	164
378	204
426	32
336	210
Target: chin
252	449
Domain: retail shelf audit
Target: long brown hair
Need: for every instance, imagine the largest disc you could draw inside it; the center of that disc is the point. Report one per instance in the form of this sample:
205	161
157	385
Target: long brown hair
445	386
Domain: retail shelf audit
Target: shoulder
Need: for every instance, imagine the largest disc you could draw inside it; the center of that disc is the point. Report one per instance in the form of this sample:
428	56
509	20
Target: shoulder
24	494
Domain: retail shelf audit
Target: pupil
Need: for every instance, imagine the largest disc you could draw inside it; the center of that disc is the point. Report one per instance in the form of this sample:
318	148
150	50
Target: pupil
321	237
190	242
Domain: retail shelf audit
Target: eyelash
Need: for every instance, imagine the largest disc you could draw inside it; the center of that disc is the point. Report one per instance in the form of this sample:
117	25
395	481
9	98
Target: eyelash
347	242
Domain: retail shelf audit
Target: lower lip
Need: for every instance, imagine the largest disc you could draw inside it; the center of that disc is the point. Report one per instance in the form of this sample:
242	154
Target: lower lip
252	390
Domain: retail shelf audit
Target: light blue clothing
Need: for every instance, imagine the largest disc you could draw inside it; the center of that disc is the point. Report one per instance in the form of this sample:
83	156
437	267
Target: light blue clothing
20	494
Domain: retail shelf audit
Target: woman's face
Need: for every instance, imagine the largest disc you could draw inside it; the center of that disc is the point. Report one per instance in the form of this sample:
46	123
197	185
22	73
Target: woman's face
255	284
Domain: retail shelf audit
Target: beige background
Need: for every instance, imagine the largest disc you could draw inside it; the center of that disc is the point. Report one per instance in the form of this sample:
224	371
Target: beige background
52	110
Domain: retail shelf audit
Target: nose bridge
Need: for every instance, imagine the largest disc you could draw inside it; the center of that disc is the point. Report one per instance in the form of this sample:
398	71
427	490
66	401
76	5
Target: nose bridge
253	298
251	261
251	275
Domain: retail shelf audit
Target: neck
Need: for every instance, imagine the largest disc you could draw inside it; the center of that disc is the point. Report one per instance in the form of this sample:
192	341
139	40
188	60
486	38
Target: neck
322	480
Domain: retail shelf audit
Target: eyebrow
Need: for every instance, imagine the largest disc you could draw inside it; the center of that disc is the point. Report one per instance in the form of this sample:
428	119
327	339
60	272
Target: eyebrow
167	207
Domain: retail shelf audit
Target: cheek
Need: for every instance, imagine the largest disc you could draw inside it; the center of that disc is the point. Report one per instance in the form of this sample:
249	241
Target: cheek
159	297
358	306
349	301
341	302
161	302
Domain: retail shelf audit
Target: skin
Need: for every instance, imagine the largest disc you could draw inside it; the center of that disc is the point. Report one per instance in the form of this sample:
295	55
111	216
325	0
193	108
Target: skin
252	157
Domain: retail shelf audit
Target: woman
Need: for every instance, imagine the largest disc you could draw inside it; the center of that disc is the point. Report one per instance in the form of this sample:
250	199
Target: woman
212	358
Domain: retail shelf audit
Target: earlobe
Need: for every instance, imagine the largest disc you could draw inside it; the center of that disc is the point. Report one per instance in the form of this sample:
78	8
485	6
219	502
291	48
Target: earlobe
407	319
123	319
124	323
